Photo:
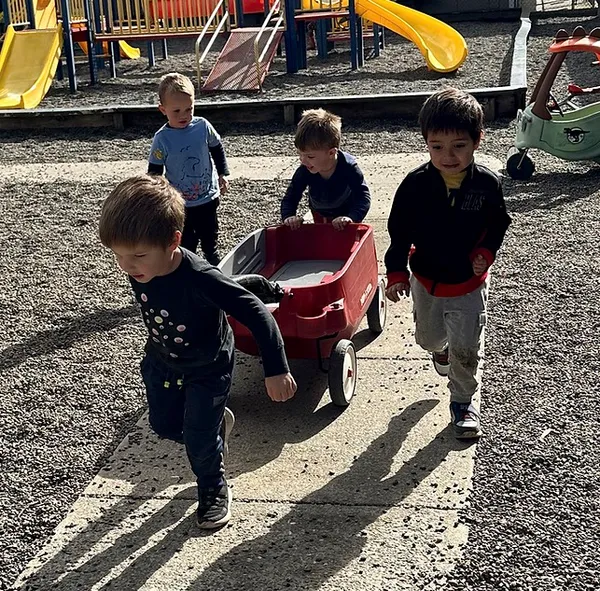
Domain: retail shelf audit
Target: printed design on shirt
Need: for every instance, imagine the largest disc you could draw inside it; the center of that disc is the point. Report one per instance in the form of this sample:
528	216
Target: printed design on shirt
158	154
195	176
473	201
163	332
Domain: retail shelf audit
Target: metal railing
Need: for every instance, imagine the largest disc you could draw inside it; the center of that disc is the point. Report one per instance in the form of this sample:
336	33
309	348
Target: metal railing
276	8
207	27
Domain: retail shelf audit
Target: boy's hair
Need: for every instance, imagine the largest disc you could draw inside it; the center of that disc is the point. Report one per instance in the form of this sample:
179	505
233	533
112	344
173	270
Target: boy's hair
174	83
143	209
452	110
318	130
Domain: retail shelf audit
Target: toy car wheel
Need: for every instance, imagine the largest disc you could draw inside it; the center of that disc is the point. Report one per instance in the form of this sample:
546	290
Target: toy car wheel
519	166
342	373
377	311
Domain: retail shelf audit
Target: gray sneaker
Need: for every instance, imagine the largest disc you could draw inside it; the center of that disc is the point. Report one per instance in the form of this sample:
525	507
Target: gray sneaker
465	420
226	428
441	362
214	506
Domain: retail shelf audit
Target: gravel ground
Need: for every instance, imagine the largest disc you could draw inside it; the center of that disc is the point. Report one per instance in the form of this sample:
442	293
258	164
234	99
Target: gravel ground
70	330
401	68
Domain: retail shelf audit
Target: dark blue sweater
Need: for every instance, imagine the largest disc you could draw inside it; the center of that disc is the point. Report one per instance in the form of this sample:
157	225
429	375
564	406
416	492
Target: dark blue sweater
345	193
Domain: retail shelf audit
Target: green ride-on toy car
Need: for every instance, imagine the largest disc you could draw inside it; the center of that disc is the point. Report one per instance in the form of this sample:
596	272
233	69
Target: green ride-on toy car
559	128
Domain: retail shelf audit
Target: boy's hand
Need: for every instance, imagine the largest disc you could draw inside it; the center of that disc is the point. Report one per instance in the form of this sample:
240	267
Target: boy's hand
341	222
480	265
223	184
294	222
393	292
281	388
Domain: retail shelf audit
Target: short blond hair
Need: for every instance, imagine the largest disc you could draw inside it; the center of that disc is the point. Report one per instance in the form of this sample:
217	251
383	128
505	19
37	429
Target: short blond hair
142	209
318	129
175	83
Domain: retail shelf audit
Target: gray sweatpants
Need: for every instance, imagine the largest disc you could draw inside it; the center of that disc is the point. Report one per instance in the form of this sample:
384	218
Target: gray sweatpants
457	323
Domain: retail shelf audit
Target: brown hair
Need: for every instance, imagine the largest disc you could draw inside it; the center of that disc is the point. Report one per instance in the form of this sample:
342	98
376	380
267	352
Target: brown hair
318	130
174	83
452	110
142	210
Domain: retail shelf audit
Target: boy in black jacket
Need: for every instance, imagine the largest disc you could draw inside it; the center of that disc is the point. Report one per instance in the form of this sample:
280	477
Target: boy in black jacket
188	364
449	219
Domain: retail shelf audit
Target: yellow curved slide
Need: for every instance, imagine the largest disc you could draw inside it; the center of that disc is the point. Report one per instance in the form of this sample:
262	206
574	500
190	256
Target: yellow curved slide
443	47
126	50
28	62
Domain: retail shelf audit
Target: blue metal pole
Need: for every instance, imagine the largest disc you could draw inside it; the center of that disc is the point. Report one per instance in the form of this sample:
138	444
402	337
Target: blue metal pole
90	44
6	12
239	12
151	55
68	44
30	13
98	29
291	44
321	38
165	49
376	44
360	43
353	39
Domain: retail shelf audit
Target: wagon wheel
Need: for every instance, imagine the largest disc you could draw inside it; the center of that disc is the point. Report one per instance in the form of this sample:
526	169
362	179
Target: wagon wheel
377	311
342	373
519	165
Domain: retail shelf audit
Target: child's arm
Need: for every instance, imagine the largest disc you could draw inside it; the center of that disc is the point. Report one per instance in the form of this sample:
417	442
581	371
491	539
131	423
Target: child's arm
217	153
157	157
292	197
498	221
361	196
396	257
233	299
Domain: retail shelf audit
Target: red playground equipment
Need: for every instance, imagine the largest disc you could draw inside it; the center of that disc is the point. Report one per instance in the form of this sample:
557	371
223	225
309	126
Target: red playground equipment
330	279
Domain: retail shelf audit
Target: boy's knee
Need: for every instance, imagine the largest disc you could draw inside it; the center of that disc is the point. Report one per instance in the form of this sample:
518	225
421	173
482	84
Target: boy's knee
430	343
467	357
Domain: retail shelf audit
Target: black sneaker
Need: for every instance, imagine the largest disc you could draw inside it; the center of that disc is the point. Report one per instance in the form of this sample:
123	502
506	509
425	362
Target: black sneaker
213	506
441	362
465	420
226	428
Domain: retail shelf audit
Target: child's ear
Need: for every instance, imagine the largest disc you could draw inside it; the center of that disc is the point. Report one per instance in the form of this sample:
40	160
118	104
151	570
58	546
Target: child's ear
333	152
162	109
175	242
479	141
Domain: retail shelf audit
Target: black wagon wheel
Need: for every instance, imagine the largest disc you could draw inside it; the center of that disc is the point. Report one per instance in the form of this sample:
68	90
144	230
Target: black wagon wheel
377	311
519	165
342	372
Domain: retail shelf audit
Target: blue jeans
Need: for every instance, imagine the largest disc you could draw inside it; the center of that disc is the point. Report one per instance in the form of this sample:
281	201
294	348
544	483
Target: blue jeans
190	407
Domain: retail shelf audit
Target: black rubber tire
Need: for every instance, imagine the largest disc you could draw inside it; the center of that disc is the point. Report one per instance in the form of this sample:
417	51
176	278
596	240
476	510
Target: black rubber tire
342	385
525	171
377	310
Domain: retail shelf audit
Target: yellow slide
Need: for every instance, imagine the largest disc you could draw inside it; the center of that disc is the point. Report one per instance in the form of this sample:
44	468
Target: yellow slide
443	47
28	62
126	50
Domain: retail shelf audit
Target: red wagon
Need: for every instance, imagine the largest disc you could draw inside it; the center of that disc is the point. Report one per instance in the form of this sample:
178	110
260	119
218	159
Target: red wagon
330	279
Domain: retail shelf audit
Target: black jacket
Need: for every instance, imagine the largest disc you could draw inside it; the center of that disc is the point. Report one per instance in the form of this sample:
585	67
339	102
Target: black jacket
445	231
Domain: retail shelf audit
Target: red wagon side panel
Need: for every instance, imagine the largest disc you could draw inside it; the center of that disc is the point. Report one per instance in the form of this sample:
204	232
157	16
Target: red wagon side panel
331	309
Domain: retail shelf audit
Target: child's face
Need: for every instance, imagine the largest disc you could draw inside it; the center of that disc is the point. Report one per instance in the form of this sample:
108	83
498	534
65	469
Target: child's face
178	108
144	262
451	151
319	161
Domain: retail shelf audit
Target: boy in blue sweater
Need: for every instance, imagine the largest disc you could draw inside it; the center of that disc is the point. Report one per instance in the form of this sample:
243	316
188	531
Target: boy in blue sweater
337	191
189	151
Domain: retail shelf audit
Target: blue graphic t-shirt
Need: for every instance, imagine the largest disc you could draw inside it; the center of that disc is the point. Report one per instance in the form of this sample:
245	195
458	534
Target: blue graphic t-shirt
185	155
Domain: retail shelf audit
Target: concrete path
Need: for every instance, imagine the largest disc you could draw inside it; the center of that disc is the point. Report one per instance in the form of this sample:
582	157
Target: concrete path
364	499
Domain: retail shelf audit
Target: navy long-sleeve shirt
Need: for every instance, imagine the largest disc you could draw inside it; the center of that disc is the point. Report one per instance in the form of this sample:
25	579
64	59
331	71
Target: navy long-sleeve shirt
185	315
345	193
